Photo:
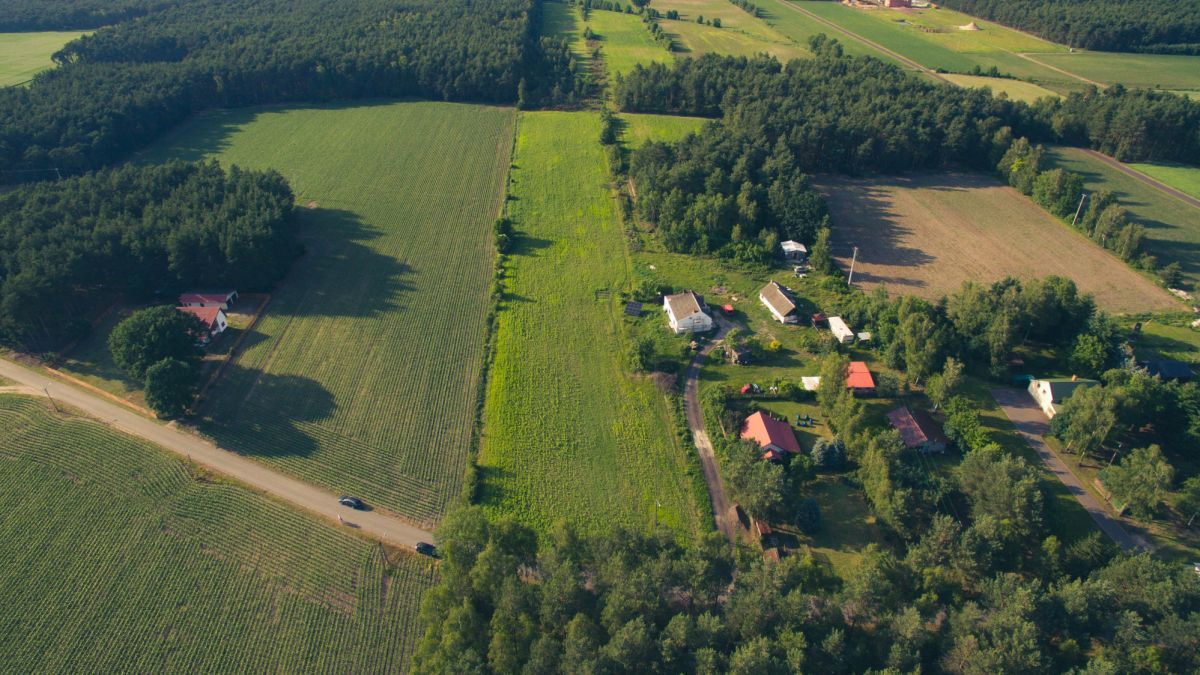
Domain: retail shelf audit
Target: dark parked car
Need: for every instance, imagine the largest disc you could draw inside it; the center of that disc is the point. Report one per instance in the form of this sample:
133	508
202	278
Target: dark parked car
352	502
426	549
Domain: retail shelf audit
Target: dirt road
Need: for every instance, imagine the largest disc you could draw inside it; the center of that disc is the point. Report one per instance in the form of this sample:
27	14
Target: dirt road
1148	180
1032	426
374	524
695	419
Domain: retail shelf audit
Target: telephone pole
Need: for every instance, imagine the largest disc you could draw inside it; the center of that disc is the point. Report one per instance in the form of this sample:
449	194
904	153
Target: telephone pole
853	259
1079	209
47	390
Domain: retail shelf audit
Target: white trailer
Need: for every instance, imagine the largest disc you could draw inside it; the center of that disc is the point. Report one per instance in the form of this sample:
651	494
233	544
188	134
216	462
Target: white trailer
840	330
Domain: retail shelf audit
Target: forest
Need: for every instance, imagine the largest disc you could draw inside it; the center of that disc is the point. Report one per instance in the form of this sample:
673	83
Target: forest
67	247
120	88
35	15
1152	26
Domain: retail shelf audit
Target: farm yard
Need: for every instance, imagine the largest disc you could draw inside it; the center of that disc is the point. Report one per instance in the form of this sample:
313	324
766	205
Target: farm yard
926	234
568	434
363	375
23	55
116	557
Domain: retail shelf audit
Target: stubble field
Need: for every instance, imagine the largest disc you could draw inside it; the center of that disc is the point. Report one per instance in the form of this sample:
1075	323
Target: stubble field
924	235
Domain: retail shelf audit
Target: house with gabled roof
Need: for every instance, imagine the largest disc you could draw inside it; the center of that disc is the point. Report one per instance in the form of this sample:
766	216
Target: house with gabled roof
1051	393
773	436
685	313
222	300
918	430
859	379
213	318
779	301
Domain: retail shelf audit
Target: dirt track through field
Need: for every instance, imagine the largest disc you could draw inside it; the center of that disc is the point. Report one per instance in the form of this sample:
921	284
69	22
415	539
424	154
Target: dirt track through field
926	234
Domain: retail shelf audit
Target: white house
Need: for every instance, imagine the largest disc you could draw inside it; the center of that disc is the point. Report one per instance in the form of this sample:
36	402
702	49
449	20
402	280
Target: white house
780	302
685	313
794	251
1051	393
213	318
840	330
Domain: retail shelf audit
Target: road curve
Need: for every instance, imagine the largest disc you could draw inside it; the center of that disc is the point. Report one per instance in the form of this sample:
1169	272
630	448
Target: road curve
1031	424
1148	180
695	420
375	524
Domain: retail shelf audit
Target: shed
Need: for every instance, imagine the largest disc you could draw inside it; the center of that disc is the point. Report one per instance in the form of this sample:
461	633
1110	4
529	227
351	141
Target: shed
918	430
859	379
811	382
793	250
840	330
778	300
818	320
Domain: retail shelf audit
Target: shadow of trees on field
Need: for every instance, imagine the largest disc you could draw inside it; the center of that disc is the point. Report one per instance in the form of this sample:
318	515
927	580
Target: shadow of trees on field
259	414
864	217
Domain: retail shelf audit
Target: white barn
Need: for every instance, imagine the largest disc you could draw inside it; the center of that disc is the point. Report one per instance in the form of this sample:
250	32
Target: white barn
685	313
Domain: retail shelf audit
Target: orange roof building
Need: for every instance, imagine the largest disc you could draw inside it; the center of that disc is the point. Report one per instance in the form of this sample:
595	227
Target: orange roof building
773	436
212	317
859	379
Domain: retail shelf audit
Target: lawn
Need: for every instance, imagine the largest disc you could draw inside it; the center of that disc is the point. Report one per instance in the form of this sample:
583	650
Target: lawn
625	42
640	128
117	557
1154	71
364	374
1160	340
23	55
1016	90
1183	178
925	234
847	524
1172	226
568	432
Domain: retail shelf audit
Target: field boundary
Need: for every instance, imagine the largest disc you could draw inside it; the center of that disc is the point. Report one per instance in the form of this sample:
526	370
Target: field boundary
234	350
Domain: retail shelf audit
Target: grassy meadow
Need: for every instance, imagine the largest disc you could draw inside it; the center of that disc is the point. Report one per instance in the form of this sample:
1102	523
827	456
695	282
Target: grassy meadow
117	557
23	55
1172	226
1180	73
1016	90
640	128
363	374
1183	178
696	39
568	432
799	27
624	42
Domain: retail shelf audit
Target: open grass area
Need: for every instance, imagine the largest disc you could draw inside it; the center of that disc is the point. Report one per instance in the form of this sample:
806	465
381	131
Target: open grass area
1151	71
117	557
926	234
625	42
696	39
1170	341
1172	226
23	55
1183	178
363	375
639	128
568	432
847	524
1016	90
798	27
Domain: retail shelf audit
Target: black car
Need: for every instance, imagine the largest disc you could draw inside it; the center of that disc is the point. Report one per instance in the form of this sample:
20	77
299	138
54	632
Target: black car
352	502
426	549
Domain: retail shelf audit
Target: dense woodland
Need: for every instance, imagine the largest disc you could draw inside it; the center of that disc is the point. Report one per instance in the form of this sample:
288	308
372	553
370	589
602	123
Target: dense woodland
122	87
33	15
67	245
1158	26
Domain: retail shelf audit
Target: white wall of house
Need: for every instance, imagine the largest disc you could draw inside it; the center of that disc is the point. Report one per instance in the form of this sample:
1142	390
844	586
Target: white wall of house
696	323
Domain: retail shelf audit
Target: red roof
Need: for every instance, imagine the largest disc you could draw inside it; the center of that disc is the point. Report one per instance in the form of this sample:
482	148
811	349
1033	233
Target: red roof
207	315
728	309
916	428
207	298
766	430
858	376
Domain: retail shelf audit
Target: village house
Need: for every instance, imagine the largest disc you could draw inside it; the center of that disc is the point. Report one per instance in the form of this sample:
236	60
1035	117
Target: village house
222	300
859	379
779	301
773	436
840	330
1051	393
213	318
685	313
918	430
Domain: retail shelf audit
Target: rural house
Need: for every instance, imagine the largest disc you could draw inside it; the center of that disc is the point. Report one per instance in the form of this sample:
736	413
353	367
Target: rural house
794	251
213	319
1051	393
859	379
220	299
773	436
685	313
840	330
918	430
779	301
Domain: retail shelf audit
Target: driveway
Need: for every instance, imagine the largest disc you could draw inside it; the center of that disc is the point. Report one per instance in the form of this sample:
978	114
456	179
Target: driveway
695	420
374	524
1032	425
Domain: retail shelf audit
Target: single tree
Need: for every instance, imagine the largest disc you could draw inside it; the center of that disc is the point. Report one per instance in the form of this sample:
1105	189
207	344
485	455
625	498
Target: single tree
1141	480
170	387
944	384
1088	417
151	335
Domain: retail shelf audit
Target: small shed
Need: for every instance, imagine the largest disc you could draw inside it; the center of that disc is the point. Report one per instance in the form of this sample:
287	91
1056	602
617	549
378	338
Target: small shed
819	320
811	382
222	300
794	250
740	356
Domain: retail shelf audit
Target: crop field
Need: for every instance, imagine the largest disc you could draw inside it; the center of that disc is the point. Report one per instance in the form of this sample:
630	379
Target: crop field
568	433
926	234
1172	226
1152	71
625	42
1182	178
640	128
363	374
799	27
117	557
697	39
23	55
1017	90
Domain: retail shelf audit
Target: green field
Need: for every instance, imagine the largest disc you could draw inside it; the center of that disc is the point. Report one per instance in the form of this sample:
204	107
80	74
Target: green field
1172	227
640	128
696	39
1017	90
625	42
23	55
799	28
116	557
1183	178
1155	71
568	433
363	375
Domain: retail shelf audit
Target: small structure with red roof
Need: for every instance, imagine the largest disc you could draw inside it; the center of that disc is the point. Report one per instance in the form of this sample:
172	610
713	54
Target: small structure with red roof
773	436
220	299
918	430
213	318
859	379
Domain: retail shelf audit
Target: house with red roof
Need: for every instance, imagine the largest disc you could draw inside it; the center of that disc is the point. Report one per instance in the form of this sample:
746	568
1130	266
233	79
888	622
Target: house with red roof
918	430
220	299
213	318
859	379
773	436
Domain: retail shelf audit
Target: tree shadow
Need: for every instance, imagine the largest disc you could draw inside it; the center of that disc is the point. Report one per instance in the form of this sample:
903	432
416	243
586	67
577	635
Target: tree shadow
261	414
490	488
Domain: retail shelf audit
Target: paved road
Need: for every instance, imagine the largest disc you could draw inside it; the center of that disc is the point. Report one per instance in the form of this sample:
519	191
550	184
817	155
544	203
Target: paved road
375	524
1032	426
695	419
1138	175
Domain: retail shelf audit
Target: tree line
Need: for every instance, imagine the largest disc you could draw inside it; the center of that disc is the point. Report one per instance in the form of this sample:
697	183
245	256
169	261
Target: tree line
68	246
18	16
1153	26
120	88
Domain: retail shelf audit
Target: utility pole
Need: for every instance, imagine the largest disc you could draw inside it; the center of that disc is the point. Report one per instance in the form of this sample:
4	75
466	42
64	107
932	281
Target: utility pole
47	390
853	259
1079	209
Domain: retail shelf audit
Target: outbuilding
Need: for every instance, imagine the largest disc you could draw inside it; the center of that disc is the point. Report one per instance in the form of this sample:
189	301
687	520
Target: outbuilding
1051	393
773	436
859	379
213	318
840	330
918	430
794	251
685	313
222	300
778	300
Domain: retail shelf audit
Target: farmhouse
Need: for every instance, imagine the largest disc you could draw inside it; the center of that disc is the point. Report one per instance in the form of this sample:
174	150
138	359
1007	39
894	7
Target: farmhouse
794	251
918	430
212	317
779	301
773	436
220	299
1051	393
840	330
859	379
685	313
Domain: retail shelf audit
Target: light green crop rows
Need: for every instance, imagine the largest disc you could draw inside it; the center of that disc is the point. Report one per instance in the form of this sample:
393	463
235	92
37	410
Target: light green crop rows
114	557
363	375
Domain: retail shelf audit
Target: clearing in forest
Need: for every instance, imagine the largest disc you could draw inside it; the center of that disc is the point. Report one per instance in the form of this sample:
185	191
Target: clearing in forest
625	42
568	432
117	557
364	373
641	127
925	234
23	55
